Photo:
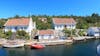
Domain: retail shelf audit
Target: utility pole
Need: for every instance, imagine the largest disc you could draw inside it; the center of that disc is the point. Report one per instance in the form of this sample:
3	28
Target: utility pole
99	32
29	25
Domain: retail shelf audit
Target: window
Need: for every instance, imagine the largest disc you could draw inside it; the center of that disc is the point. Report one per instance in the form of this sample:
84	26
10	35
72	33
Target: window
96	32
65	26
21	27
16	28
25	27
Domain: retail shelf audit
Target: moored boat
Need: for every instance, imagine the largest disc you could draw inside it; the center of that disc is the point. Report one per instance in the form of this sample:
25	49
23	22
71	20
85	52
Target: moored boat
37	46
13	44
98	50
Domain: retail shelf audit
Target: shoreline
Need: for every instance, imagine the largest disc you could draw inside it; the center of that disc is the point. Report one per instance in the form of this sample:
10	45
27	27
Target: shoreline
62	42
55	42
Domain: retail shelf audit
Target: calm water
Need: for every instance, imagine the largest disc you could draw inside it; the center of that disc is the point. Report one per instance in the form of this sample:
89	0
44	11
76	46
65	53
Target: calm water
87	48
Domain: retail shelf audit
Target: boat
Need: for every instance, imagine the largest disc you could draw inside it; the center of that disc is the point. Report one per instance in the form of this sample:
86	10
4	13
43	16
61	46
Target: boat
98	50
37	46
13	44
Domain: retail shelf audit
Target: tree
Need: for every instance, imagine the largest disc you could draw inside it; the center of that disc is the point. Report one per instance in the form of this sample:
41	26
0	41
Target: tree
16	16
2	22
22	34
69	32
2	35
8	34
95	15
82	24
81	33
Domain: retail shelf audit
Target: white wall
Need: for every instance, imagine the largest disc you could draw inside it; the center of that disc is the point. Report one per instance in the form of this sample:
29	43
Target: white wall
12	28
32	25
92	32
61	27
97	34
46	37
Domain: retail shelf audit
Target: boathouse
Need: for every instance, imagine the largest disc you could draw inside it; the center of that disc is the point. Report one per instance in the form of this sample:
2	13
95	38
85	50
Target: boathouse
94	31
46	34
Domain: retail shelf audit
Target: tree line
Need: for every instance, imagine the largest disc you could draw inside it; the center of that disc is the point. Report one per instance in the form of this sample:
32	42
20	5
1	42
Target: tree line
83	22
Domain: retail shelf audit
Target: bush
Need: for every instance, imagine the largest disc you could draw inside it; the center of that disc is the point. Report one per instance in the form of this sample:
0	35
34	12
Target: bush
5	34
69	32
22	34
9	33
81	33
2	35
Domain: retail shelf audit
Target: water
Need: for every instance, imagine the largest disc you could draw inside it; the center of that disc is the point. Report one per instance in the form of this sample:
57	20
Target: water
87	48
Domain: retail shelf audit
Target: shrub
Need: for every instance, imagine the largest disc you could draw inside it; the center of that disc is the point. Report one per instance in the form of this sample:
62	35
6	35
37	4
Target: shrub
22	34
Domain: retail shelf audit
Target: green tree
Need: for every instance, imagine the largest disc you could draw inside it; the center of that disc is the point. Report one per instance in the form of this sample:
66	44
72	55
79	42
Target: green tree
2	22
69	32
22	34
8	34
81	33
2	35
16	16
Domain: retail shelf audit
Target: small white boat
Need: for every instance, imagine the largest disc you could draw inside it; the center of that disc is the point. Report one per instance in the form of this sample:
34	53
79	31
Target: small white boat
98	50
12	45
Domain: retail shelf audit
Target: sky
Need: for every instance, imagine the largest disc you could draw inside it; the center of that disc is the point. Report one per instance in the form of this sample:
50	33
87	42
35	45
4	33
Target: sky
10	8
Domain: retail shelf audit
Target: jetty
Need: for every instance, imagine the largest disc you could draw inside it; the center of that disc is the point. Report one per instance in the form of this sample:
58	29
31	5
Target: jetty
55	42
87	37
78	38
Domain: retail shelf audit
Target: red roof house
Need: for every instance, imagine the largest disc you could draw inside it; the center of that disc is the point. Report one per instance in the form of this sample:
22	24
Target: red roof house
19	24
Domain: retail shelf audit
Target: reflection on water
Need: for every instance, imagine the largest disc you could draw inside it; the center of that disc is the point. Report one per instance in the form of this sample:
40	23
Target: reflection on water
87	48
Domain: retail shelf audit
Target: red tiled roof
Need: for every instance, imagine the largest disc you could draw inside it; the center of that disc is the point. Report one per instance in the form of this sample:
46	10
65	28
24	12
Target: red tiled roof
17	22
63	20
46	32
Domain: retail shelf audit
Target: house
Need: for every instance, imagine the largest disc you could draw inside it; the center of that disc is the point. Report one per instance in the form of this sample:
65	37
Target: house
61	23
43	20
46	34
93	31
16	24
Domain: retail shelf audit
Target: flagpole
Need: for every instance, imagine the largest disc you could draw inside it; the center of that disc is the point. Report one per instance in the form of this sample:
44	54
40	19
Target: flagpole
30	31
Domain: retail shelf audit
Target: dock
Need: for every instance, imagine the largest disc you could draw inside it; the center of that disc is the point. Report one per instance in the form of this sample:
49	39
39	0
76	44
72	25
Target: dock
89	37
52	42
78	38
56	42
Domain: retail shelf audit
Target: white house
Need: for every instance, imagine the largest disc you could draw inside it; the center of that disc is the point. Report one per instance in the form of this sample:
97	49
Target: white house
15	24
93	31
45	34
61	23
